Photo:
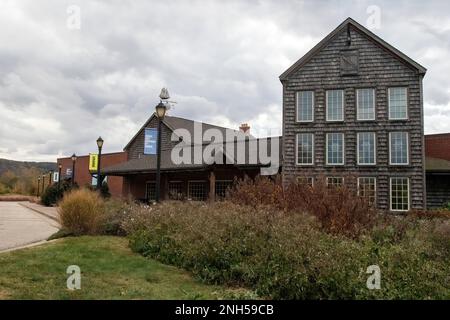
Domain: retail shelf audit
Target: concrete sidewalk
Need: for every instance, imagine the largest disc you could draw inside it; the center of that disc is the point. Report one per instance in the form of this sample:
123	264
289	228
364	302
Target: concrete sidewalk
20	226
49	212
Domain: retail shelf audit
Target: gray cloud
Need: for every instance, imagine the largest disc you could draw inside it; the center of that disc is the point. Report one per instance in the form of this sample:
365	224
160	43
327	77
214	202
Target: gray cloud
61	88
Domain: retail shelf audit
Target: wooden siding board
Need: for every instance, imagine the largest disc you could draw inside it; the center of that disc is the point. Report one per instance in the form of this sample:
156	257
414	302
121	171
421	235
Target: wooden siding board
378	69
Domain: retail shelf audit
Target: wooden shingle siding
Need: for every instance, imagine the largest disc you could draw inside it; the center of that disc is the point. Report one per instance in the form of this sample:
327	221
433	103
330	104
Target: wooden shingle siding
136	148
378	69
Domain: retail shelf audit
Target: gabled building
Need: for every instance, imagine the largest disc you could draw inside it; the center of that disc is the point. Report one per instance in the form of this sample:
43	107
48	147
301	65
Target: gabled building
207	170
353	113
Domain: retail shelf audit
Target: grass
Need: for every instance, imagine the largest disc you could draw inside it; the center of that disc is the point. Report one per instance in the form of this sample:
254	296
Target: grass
17	197
109	270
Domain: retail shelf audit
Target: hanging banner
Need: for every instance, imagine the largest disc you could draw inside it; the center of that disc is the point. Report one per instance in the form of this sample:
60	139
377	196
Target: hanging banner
150	140
93	162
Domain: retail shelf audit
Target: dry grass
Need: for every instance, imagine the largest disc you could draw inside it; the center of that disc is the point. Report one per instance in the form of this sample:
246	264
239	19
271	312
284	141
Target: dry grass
18	197
82	212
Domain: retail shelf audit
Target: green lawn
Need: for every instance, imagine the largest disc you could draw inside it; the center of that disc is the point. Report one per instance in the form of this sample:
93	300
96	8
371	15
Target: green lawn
109	270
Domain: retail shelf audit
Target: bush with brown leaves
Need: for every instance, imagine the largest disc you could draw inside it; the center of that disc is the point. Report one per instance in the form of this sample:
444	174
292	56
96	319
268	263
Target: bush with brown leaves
338	209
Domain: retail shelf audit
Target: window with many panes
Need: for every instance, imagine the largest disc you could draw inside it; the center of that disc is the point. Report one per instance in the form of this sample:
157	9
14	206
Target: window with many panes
398	148
221	188
335	182
197	190
175	190
150	191
305	181
399	194
305	148
365	100
366	148
305	106
335	148
367	188
335	105
398	103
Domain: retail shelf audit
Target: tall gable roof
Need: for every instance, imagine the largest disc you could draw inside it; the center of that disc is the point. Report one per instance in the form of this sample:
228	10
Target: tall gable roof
174	123
349	21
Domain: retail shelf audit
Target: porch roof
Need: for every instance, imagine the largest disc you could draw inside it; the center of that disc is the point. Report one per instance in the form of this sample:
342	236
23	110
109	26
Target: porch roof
436	165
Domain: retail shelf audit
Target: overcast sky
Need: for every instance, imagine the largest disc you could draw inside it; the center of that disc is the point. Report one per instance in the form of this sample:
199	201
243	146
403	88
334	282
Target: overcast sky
62	86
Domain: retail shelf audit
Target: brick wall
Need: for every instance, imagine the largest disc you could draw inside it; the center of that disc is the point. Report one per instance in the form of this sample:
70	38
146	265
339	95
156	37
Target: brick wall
83	177
438	146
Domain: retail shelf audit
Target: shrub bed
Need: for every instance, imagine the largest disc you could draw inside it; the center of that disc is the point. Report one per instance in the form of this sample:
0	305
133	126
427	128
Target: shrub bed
285	254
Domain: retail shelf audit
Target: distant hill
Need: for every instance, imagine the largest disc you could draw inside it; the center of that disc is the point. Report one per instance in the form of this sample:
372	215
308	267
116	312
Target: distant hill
18	166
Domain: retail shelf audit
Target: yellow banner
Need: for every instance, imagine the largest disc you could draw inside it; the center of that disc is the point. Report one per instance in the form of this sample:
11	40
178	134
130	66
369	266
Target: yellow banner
93	162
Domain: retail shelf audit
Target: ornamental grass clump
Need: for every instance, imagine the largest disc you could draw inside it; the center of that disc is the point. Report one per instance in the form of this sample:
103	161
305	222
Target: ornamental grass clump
82	212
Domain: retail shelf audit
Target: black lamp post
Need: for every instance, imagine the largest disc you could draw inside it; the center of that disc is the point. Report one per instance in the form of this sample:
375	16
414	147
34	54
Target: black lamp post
43	183
50	175
99	178
74	159
38	186
59	176
160	113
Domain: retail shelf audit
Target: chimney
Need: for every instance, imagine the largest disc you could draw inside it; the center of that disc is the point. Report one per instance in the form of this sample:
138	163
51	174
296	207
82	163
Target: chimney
245	128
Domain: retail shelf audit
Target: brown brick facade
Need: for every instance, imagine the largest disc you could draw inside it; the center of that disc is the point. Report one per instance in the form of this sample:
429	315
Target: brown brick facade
438	146
83	177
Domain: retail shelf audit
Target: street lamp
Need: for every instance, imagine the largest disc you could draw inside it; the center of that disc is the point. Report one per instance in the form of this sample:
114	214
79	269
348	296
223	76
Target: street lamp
38	186
50	175
59	176
43	183
160	113
99	145
74	159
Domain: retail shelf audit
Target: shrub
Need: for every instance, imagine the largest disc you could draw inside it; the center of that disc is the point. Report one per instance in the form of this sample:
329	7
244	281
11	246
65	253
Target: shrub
53	194
338	209
82	212
116	211
104	191
286	255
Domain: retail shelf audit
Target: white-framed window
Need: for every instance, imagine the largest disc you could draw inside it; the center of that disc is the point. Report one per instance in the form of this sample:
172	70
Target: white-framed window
222	186
335	105
197	190
398	103
150	191
176	190
335	148
305	106
335	182
365	102
305	181
398	148
366	148
55	176
367	188
399	187
305	148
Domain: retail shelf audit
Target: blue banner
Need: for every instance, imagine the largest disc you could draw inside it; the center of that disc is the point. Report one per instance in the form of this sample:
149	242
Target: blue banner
150	140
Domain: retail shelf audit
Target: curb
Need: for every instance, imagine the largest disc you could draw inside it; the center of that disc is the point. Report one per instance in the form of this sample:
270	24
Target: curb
29	245
39	211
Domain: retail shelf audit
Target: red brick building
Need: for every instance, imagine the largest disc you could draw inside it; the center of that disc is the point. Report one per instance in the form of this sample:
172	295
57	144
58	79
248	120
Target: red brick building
83	176
438	146
437	151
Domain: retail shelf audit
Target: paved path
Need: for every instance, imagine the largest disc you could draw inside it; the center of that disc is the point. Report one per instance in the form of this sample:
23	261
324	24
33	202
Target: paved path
20	226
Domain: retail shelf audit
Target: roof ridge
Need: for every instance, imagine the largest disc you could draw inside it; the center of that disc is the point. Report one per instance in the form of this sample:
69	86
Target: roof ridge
314	50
